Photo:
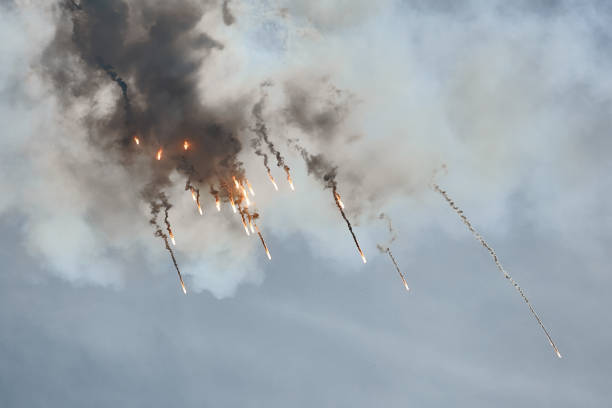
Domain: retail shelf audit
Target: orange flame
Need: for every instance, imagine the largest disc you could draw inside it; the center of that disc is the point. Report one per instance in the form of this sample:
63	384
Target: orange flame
172	238
183	286
186	145
199	209
250	188
218	203
236	183
136	140
159	153
263	242
340	202
193	195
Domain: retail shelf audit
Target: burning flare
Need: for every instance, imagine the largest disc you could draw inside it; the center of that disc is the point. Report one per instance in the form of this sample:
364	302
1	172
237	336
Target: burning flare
218	203
272	180
263	242
289	179
159	153
388	251
137	140
246	196
350	227
495	259
231	198
186	145
236	183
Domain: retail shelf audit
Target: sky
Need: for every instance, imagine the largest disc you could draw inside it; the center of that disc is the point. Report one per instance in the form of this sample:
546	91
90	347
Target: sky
514	99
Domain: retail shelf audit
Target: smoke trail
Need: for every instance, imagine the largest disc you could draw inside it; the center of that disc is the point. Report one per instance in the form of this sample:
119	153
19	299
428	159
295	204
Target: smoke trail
167	206
155	209
110	71
480	238
392	233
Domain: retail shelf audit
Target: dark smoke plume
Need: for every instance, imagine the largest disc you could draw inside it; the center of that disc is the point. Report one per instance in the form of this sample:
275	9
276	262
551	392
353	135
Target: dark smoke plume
228	17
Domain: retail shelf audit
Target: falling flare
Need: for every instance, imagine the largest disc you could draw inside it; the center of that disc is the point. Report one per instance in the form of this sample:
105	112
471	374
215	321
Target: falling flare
350	227
193	195
199	209
186	145
272	180
159	154
263	242
289	179
496	260
172	238
236	183
218	203
397	268
136	140
250	188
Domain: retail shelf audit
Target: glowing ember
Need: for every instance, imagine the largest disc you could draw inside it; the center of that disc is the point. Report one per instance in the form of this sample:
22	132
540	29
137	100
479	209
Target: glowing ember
193	195
363	258
199	209
159	154
172	239
236	183
218	203
136	140
186	145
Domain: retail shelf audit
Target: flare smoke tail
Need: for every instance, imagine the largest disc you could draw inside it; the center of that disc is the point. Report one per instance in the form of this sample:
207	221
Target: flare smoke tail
397	268
498	264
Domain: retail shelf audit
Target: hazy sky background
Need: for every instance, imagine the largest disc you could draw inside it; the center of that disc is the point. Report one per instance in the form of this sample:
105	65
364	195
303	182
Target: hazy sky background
515	99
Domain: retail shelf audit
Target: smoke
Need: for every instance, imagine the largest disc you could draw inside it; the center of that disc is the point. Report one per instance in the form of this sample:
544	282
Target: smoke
498	95
228	17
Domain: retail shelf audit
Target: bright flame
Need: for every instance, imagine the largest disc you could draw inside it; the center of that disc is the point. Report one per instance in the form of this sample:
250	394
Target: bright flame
136	140
251	226
186	145
172	238
183	286
236	183
340	202
268	253
218	203
250	188
193	195
199	209
159	154
363	258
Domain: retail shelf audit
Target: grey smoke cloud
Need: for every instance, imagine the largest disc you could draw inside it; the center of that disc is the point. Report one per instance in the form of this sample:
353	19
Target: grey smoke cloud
509	97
